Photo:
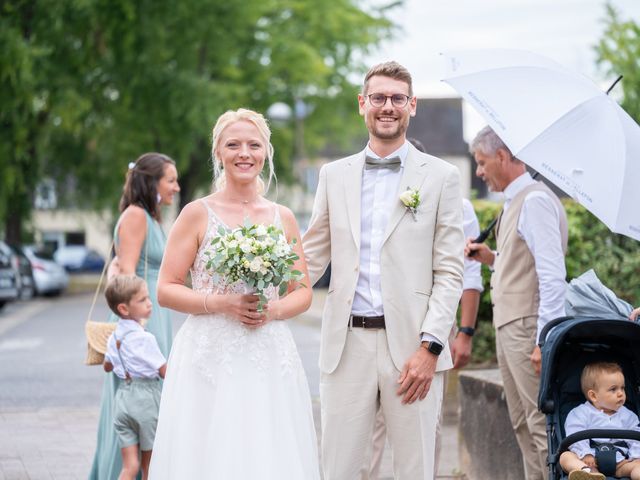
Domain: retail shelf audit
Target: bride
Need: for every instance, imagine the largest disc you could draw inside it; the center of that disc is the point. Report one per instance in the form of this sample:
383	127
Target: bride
235	402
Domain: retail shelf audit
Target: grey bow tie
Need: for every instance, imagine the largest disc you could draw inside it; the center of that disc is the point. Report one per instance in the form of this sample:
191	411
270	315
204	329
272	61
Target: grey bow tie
392	163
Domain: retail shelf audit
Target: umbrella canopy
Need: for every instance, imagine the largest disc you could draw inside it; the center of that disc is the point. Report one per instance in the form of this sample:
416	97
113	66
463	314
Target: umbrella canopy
559	123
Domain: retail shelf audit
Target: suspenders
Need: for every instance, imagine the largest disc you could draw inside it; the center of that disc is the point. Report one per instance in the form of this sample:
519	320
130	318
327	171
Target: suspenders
118	345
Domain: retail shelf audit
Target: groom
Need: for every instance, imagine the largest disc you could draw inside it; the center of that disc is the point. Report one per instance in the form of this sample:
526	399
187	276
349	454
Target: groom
395	284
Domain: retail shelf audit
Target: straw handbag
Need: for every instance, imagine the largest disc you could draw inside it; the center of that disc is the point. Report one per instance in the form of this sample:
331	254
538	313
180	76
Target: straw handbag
98	333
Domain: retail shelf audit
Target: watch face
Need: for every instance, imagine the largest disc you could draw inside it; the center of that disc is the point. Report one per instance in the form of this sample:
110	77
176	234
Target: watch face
435	348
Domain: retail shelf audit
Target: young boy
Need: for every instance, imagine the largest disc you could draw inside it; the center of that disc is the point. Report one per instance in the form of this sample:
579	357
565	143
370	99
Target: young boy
603	385
134	356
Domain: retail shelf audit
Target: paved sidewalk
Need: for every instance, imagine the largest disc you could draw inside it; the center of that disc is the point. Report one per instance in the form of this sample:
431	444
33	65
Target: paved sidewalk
58	443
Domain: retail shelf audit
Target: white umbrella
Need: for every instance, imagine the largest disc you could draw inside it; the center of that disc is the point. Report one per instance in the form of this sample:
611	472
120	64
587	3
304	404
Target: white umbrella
561	124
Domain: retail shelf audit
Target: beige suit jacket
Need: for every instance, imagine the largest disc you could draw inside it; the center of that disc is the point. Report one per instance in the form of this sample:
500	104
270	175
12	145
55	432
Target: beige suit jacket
421	261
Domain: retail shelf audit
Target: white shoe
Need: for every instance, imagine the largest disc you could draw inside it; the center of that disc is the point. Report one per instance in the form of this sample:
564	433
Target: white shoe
586	475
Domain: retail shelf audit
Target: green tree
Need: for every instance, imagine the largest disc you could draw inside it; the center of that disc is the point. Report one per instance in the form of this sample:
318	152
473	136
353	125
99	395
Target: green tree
39	65
618	51
89	85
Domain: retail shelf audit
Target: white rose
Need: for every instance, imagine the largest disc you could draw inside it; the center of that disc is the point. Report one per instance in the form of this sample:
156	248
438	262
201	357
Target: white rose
256	265
238	235
406	198
261	230
281	250
232	244
245	246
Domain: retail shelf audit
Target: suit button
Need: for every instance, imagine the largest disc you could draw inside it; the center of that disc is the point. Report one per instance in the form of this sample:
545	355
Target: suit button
493	305
348	301
356	269
490	288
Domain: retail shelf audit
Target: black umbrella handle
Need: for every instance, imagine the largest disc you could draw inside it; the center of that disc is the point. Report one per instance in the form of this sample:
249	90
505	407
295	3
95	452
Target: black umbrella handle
484	235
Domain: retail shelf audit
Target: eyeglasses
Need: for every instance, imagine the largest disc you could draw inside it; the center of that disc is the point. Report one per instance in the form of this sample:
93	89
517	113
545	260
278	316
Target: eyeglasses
380	99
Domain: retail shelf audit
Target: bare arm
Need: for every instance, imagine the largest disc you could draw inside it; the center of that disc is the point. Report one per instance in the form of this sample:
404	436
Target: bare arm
298	298
461	348
132	230
182	247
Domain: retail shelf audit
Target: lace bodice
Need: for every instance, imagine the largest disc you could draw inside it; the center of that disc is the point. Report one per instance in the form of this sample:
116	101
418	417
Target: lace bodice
203	280
220	342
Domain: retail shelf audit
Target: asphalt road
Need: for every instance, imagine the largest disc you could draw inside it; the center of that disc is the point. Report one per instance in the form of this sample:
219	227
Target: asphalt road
49	399
42	348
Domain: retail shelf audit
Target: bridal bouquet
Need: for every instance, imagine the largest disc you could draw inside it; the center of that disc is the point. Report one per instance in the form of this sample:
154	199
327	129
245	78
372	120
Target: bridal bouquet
258	255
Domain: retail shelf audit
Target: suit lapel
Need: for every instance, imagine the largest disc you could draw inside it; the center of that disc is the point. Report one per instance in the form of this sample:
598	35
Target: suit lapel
413	175
353	193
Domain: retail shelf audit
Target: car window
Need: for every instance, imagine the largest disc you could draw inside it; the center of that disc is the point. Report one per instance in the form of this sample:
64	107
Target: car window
5	255
44	254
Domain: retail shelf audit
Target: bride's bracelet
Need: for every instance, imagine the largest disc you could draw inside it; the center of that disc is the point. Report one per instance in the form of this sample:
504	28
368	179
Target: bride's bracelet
204	303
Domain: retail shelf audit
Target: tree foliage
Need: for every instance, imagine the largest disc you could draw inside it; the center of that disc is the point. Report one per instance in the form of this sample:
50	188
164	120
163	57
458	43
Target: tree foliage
88	85
618	51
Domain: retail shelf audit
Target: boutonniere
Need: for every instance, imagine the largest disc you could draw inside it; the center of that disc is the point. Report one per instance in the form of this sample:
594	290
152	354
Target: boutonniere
410	198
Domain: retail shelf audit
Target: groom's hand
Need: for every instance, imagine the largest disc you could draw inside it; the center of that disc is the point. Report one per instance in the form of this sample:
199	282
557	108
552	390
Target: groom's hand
415	378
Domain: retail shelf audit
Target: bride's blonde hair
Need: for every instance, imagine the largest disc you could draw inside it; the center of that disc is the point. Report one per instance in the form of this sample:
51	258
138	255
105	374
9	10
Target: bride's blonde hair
228	118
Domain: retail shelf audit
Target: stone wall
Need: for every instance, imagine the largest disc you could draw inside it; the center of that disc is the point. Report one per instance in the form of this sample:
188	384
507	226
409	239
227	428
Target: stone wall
488	448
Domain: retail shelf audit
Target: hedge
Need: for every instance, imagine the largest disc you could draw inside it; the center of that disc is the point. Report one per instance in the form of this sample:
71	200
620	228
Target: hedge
615	259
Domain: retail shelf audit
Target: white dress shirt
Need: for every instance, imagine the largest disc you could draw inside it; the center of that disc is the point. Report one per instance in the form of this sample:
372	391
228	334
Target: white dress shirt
587	417
472	279
539	227
139	350
379	194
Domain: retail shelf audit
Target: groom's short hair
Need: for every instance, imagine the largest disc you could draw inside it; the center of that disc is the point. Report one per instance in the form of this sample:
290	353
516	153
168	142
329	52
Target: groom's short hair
388	69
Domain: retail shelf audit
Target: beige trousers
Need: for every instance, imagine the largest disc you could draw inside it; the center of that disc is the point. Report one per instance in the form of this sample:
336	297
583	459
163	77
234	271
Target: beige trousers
365	379
515	342
380	431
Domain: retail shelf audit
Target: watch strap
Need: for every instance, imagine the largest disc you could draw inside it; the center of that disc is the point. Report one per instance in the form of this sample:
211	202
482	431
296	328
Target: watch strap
470	331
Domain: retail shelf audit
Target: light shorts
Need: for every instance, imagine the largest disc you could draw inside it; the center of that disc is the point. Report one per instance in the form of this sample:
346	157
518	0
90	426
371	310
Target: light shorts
136	412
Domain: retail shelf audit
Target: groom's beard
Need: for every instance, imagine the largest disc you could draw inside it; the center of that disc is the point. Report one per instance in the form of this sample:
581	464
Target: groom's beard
377	130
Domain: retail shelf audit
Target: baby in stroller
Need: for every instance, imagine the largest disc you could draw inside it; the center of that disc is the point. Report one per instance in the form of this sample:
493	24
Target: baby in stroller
603	385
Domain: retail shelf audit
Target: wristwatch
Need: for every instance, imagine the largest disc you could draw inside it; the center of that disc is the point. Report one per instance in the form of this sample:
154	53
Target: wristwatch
432	347
467	331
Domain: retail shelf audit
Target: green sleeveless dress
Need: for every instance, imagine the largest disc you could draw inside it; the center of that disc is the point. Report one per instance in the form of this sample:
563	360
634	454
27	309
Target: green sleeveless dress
107	461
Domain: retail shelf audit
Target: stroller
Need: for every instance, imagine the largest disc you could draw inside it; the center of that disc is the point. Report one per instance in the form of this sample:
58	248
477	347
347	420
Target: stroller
568	344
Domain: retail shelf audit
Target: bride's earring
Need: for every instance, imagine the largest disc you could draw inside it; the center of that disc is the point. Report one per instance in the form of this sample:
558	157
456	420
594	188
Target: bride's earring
158	197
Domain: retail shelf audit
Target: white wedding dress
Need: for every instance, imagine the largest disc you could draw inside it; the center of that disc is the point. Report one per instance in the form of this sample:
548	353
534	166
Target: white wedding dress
235	402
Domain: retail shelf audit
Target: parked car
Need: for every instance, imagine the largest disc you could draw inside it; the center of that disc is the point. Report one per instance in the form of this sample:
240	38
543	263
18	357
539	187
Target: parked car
26	285
49	277
78	258
8	275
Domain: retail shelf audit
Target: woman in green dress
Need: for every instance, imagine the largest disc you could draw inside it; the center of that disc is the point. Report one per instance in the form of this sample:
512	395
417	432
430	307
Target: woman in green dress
152	181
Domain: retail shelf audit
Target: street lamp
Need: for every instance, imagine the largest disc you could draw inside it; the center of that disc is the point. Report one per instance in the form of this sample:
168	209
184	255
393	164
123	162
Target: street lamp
281	112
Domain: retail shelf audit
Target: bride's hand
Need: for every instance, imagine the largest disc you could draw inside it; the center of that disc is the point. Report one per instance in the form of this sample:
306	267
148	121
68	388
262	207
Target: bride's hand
243	308
271	311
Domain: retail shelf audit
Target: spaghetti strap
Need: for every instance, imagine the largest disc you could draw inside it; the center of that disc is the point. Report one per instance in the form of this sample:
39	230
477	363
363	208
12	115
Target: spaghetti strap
276	219
206	205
